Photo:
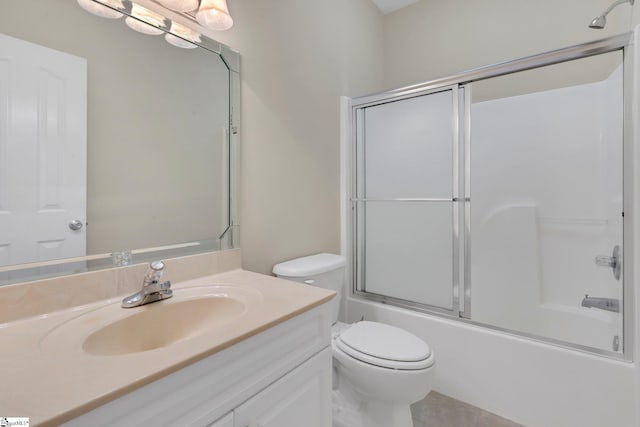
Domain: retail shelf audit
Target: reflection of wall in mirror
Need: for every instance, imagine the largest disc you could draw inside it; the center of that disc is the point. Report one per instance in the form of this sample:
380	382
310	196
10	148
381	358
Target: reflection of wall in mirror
155	120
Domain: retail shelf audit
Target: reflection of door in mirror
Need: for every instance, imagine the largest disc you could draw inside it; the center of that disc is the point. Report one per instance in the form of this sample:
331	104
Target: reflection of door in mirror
43	98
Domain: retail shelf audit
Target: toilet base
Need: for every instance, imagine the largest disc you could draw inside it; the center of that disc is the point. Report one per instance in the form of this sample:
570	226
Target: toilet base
379	414
345	412
348	411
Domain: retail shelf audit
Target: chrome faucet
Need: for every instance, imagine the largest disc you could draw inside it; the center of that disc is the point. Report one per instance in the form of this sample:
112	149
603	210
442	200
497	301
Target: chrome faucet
609	304
152	290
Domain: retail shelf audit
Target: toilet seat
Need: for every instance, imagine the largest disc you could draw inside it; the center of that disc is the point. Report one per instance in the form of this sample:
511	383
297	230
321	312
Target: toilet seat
384	346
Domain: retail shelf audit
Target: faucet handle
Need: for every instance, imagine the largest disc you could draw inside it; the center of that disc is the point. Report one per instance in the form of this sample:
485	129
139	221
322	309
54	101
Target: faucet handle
154	272
164	286
156	265
614	262
159	287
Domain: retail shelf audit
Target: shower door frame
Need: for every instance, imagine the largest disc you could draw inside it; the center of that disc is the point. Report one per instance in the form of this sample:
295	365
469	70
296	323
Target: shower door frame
457	197
355	245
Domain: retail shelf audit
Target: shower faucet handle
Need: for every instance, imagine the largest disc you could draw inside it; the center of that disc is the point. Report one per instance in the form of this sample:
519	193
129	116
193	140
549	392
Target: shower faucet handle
606	261
614	262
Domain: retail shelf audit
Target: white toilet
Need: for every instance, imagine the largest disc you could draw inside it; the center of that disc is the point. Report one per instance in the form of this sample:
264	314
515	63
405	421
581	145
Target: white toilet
379	369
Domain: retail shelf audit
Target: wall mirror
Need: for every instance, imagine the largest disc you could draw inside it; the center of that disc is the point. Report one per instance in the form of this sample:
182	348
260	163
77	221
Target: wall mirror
110	141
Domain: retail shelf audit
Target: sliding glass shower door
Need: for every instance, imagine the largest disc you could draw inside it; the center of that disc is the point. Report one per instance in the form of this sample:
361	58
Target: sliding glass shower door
407	193
497	197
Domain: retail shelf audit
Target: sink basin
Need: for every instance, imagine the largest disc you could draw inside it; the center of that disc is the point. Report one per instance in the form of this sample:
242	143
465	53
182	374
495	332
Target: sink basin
161	324
110	330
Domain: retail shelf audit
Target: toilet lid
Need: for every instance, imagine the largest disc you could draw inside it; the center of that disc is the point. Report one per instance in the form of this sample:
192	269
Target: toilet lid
385	345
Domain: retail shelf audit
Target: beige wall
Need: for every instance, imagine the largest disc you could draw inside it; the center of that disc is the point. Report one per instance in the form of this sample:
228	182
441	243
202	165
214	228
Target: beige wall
298	58
436	38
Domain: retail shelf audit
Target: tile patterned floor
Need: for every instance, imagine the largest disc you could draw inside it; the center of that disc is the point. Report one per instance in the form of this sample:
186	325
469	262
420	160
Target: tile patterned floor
438	410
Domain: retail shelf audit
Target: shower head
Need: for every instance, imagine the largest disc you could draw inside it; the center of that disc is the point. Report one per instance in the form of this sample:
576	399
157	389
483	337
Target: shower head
600	21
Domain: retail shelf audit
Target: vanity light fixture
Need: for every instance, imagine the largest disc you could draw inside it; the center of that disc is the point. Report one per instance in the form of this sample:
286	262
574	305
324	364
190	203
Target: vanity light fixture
147	22
187	35
214	14
98	9
180	5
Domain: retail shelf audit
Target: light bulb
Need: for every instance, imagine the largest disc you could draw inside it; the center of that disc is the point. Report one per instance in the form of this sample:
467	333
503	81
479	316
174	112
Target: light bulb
214	14
147	22
185	34
102	11
180	5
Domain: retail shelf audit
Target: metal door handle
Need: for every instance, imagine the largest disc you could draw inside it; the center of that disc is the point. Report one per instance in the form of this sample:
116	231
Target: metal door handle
612	261
75	225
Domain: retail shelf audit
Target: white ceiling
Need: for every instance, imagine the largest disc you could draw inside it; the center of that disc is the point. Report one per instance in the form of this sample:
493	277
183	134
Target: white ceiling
388	6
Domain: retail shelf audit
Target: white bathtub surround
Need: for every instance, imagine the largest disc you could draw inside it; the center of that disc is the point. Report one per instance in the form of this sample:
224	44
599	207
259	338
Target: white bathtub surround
543	197
542	274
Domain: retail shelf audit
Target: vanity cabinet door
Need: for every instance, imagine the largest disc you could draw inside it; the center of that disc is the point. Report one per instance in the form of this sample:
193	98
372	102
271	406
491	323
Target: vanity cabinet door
300	398
226	421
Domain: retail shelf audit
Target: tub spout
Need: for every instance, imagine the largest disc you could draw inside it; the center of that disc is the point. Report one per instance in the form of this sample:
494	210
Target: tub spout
609	304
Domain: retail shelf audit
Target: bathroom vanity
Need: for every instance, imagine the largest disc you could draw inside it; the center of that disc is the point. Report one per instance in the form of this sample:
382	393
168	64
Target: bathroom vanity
233	348
280	378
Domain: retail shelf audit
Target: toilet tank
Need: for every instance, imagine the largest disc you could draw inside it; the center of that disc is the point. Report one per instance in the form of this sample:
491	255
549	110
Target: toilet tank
323	270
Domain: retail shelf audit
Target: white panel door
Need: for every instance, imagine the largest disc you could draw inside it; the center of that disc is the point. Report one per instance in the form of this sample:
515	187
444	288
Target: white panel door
300	398
43	110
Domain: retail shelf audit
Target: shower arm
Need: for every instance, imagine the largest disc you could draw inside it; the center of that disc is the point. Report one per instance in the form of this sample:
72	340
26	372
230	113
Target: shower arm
614	4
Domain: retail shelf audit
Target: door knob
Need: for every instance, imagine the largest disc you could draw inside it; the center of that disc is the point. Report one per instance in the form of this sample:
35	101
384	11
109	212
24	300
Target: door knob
612	261
75	225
